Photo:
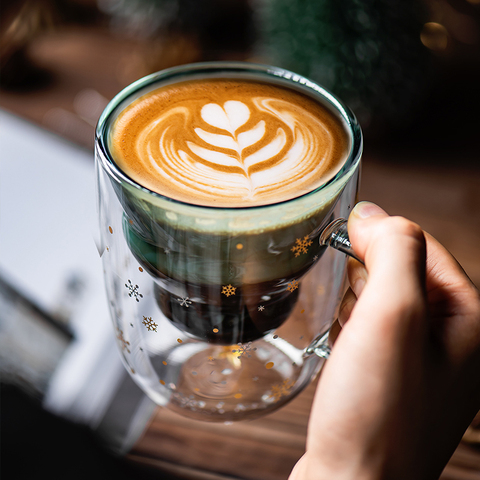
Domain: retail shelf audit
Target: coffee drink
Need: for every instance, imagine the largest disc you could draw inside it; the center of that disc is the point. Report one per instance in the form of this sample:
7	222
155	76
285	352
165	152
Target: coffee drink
228	143
219	185
231	144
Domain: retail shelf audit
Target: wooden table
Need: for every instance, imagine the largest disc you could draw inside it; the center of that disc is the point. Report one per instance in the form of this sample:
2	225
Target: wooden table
89	66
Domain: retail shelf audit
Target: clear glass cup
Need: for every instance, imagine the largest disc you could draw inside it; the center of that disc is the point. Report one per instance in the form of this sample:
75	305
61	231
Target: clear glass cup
222	314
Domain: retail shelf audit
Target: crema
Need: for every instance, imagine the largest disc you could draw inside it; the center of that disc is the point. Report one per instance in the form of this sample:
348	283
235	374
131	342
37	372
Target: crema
228	143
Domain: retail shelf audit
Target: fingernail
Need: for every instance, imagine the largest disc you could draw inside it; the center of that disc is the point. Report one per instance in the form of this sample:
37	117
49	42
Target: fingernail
358	285
367	209
357	276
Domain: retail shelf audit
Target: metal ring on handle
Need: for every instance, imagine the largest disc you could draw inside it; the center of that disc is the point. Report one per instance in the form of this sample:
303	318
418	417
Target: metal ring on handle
336	235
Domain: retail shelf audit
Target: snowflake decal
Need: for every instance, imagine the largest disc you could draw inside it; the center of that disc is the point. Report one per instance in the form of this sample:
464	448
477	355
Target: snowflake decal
301	245
189	402
244	349
228	290
133	291
150	324
293	285
185	302
282	389
261	308
124	344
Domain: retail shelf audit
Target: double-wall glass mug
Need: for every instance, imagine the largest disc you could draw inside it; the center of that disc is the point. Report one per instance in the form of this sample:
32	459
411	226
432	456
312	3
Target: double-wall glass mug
222	313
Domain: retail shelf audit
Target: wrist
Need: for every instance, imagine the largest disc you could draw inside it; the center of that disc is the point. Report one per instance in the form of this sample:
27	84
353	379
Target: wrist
326	469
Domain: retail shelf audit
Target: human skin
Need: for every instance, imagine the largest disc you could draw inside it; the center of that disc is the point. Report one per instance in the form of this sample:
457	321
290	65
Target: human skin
403	381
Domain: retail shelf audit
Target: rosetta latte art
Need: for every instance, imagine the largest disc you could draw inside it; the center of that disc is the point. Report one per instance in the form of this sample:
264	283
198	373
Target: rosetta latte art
245	151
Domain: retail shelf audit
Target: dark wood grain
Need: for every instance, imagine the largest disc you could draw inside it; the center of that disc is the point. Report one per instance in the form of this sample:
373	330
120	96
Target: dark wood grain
263	449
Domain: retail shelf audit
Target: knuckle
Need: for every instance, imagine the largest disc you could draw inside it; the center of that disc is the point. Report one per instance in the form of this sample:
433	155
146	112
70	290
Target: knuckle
404	227
473	300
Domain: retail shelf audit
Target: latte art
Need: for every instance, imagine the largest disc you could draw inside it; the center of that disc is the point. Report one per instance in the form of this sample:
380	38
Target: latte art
233	143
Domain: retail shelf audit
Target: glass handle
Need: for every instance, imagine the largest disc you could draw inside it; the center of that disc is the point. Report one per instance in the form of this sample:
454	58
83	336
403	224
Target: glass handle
334	235
320	346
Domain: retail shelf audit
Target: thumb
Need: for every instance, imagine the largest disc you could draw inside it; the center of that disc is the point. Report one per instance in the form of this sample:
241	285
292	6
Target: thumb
393	250
376	355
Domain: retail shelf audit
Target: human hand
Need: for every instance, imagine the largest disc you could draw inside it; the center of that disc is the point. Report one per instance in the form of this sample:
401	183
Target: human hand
403	380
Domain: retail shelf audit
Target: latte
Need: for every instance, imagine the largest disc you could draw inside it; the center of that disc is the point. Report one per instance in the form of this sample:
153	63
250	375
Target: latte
228	143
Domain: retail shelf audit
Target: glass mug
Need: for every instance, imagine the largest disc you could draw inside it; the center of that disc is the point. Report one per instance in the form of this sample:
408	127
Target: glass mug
192	333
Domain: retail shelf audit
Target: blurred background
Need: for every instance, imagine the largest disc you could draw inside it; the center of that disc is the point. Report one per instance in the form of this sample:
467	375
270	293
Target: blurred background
410	70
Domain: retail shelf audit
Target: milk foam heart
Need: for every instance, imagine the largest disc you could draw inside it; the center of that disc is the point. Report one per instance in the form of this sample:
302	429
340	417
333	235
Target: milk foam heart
228	143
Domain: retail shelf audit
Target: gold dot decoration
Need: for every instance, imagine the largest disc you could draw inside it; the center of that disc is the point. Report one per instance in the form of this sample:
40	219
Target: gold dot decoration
269	365
110	229
140	269
239	246
302	311
164	362
162	382
215	329
238	395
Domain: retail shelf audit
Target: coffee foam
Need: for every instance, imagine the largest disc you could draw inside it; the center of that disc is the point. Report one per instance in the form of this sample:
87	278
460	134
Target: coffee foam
228	143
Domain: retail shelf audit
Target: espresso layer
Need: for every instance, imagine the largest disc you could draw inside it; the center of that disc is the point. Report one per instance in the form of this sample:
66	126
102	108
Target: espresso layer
228	143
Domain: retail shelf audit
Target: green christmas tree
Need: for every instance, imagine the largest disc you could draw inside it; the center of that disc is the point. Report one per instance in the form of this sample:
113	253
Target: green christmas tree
368	52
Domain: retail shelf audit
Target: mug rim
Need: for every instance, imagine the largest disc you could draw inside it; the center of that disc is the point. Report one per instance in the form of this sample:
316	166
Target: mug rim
245	69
